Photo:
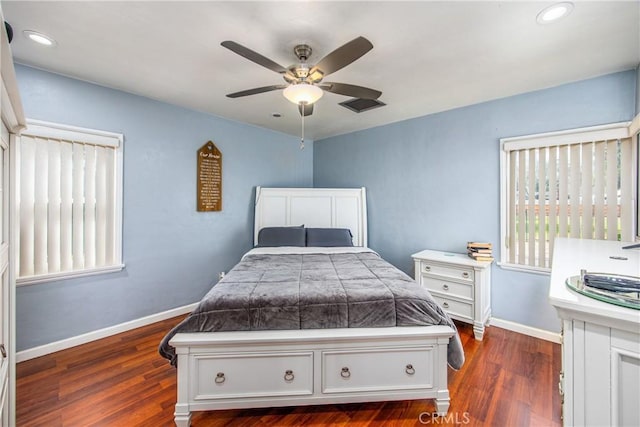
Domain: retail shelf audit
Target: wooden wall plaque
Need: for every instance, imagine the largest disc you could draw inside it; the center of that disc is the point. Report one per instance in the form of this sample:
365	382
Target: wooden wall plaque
209	178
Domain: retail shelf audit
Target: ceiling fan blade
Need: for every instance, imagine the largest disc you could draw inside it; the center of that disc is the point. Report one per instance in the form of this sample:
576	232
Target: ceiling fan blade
254	56
255	91
305	109
351	90
343	56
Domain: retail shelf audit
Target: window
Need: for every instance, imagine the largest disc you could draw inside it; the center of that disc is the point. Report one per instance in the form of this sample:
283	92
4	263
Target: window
579	183
69	202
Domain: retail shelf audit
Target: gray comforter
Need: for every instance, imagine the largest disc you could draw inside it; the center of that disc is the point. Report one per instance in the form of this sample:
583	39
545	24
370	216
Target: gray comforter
311	291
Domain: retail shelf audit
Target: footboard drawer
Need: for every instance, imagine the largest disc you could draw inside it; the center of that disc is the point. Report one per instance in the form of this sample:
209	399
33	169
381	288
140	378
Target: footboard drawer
251	375
377	369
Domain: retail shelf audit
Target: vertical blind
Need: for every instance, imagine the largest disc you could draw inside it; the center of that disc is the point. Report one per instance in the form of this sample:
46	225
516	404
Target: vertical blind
68	201
580	189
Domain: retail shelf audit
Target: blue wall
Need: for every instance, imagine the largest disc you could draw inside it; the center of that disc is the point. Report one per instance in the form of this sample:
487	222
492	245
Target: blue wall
172	253
433	182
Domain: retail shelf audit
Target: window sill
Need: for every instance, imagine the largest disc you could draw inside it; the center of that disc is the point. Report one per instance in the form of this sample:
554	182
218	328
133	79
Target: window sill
32	280
525	268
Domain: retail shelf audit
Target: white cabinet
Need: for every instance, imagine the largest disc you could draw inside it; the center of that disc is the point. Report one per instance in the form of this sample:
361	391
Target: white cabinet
461	285
600	378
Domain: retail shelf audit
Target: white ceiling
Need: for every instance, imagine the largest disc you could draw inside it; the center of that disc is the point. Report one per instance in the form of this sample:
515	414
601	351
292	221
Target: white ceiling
427	56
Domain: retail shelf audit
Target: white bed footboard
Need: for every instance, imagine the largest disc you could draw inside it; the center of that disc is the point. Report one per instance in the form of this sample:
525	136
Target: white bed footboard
250	369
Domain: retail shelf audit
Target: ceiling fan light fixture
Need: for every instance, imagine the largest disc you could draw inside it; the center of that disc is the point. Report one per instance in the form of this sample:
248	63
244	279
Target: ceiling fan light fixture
302	93
316	75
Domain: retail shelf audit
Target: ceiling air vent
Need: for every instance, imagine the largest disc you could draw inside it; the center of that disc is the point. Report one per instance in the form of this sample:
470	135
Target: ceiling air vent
359	105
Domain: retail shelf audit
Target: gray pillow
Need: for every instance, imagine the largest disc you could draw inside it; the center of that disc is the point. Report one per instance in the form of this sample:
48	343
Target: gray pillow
281	236
327	237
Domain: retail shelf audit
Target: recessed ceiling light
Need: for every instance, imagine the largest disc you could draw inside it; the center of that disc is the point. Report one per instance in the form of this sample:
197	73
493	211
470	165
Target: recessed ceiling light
39	38
554	12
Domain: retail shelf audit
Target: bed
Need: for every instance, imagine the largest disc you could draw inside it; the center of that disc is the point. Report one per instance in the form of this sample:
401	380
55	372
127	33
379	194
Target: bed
311	322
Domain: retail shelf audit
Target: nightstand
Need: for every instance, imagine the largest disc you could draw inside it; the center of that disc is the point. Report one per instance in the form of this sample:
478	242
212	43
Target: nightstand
461	285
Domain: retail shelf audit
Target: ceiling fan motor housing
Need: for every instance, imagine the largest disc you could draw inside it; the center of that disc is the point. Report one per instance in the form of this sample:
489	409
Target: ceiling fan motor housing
301	70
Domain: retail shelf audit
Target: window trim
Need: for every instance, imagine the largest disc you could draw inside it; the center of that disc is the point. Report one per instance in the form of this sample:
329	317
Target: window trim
92	136
634	131
69	133
52	277
547	139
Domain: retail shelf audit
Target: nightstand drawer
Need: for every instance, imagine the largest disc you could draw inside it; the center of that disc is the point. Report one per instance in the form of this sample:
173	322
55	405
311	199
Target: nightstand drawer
461	290
455	308
462	273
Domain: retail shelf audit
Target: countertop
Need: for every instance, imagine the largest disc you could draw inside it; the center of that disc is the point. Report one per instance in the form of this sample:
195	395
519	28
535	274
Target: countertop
572	255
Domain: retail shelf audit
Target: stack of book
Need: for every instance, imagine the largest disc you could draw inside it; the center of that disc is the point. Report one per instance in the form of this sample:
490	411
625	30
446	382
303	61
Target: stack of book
480	251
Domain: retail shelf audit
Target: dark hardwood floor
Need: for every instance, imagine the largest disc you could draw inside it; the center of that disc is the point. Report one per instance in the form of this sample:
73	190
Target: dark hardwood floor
508	379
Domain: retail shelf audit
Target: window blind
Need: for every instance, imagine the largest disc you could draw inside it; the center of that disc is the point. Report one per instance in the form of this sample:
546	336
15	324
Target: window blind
69	201
567	186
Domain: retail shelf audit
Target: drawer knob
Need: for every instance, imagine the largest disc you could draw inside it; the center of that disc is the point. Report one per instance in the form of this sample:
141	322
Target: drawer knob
445	304
220	378
445	287
409	369
288	376
345	373
465	274
427	268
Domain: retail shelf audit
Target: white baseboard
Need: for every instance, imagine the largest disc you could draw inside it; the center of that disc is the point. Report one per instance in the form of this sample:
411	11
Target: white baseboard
32	353
526	330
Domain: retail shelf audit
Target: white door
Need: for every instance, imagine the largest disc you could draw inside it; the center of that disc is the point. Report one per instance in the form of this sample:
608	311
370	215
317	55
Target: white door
4	275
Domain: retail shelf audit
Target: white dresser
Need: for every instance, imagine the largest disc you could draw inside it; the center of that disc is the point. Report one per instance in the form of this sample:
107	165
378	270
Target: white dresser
461	285
600	378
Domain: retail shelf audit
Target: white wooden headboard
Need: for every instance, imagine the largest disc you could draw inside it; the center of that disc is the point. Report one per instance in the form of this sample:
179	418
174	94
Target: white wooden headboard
313	207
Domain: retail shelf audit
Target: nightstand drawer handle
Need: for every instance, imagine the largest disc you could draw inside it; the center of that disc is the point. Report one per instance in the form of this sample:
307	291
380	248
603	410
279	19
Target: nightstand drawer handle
427	268
288	376
445	287
445	304
345	373
409	369
220	378
465	274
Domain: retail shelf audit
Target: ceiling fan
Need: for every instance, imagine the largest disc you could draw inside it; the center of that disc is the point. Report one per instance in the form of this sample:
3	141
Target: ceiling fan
304	84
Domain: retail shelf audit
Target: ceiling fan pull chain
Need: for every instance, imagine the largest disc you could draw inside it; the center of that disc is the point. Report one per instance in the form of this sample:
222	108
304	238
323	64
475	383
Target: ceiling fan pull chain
302	137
